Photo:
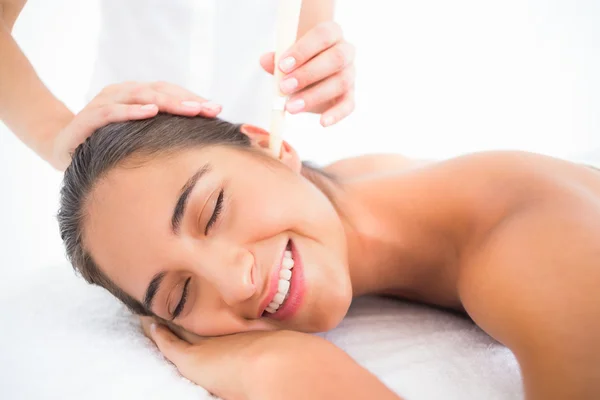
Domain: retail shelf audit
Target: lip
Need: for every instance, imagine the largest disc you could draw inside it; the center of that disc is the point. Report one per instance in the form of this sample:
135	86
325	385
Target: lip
273	283
296	291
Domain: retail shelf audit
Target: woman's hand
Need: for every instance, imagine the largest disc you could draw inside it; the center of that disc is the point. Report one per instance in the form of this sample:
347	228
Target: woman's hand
319	70
268	365
222	365
124	102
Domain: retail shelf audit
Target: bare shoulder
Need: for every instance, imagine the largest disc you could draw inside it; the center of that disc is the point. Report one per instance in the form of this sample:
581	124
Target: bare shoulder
504	182
360	166
532	284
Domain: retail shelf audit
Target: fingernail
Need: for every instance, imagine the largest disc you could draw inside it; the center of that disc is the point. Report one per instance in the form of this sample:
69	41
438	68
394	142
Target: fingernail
209	105
153	328
287	64
328	121
148	107
288	85
191	104
295	106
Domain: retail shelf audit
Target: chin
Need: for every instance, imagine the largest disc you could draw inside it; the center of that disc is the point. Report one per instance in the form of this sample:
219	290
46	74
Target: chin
329	312
332	321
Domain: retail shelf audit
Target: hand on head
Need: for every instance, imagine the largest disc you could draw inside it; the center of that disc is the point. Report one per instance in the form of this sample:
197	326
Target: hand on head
319	78
125	102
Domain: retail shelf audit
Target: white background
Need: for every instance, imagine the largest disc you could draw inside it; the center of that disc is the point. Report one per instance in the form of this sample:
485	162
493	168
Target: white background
436	78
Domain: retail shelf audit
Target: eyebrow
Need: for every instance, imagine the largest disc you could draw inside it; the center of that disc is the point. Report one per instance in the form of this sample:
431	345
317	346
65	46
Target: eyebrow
154	284
152	289
179	210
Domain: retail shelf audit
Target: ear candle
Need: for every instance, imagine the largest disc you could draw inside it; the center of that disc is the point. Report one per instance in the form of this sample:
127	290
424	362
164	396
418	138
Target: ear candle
288	17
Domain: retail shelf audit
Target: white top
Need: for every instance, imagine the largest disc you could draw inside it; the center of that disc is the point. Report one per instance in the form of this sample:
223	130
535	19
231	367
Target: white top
211	47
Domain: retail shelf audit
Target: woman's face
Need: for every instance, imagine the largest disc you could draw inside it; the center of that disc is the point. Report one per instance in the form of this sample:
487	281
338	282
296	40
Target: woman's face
206	238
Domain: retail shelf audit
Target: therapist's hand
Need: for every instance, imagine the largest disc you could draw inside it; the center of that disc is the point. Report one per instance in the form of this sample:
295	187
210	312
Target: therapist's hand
124	102
319	73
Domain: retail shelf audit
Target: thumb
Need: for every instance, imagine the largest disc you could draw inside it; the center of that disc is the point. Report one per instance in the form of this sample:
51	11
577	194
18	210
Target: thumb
173	348
267	61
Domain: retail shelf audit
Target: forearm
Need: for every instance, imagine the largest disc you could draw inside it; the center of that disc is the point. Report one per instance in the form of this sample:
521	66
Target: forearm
314	12
308	367
26	106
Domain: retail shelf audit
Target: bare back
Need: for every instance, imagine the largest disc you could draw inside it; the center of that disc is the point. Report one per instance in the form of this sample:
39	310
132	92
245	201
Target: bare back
513	239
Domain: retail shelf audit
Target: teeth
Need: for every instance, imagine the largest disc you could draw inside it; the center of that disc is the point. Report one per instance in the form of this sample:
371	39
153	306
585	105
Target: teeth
283	285
278	299
285	274
287	263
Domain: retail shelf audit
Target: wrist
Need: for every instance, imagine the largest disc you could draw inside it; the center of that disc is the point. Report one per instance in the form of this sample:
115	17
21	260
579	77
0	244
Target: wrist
295	365
278	357
45	129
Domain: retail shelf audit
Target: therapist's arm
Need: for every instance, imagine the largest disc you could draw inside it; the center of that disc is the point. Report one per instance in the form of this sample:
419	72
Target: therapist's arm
27	107
314	12
48	127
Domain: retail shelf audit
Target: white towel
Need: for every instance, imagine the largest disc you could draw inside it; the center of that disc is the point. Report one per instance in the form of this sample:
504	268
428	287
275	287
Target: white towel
63	339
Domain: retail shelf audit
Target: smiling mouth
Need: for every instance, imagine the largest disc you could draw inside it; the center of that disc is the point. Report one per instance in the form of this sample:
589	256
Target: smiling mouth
283	283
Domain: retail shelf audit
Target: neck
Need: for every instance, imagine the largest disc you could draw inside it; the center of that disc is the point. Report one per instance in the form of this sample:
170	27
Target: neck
393	246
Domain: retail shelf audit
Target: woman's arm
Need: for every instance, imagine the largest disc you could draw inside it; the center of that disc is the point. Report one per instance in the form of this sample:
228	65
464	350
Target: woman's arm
308	367
270	365
534	286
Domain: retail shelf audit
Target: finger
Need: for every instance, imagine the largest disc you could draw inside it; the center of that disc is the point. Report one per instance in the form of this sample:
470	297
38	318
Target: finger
173	348
208	108
344	107
267	61
179	104
93	119
187	336
146	322
326	91
88	121
322	66
315	41
114	88
109	113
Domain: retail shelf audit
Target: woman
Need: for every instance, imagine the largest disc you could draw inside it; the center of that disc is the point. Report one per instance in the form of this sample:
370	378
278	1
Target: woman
192	222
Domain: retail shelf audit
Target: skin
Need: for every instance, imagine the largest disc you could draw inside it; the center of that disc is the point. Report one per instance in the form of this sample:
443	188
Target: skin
139	251
510	238
321	81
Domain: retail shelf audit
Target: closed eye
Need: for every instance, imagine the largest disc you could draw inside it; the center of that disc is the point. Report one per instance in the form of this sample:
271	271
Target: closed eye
217	211
183	299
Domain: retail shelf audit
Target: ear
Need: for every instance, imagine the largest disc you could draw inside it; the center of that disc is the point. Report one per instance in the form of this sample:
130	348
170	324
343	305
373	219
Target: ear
260	139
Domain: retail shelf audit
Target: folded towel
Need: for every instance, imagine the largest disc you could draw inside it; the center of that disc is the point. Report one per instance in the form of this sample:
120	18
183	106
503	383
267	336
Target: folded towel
64	339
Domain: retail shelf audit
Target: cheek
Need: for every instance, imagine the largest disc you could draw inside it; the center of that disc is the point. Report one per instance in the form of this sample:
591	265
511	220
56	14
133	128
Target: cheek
268	201
278	202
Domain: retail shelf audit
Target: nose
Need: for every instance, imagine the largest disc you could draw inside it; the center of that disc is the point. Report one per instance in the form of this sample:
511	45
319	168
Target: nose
229	270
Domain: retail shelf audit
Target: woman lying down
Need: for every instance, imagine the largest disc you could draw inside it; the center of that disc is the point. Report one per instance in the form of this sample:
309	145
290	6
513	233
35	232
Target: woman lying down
191	222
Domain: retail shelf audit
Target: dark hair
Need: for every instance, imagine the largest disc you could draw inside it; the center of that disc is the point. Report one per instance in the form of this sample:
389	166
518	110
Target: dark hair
116	143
